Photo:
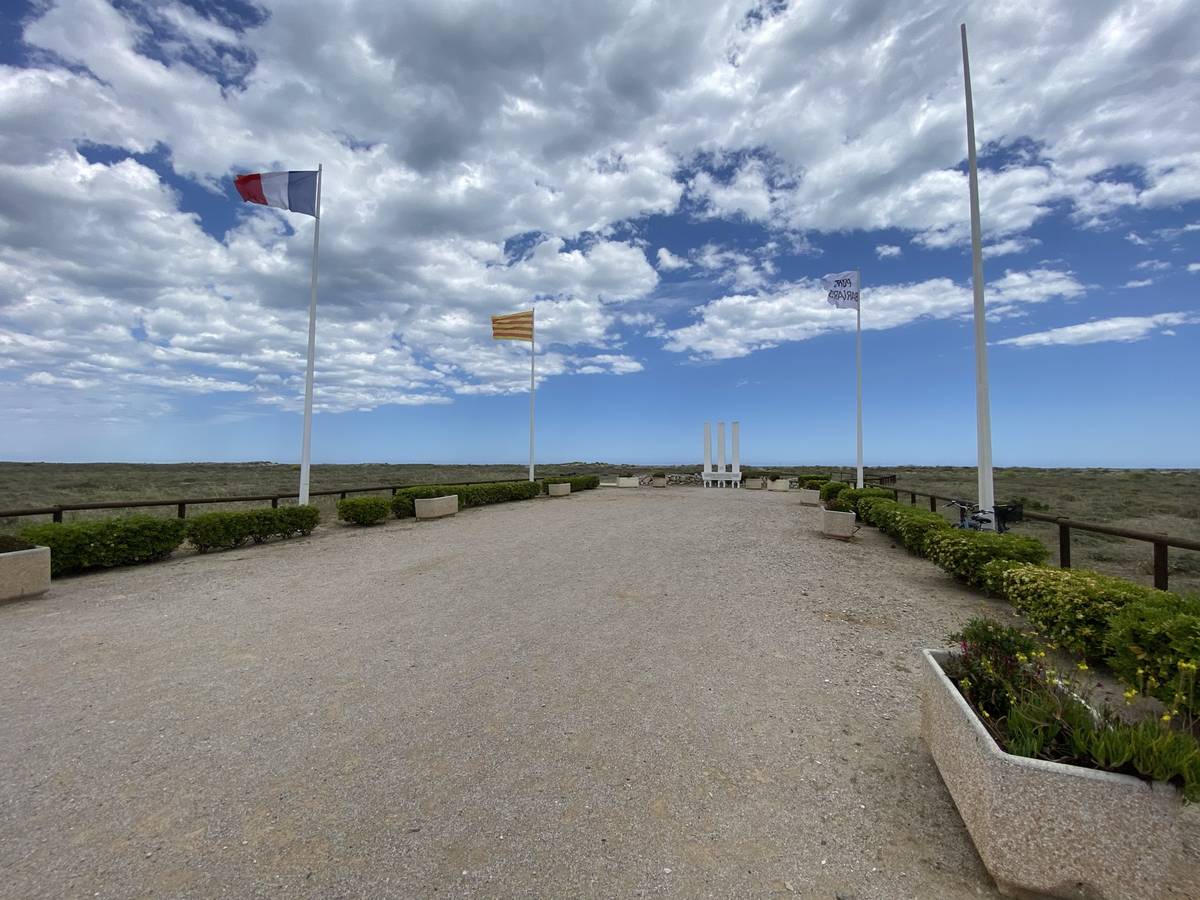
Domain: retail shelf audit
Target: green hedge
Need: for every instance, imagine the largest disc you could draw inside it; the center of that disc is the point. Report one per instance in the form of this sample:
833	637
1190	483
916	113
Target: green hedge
577	482
1153	645
813	484
964	553
226	530
852	496
403	504
1071	607
363	510
104	543
907	524
831	489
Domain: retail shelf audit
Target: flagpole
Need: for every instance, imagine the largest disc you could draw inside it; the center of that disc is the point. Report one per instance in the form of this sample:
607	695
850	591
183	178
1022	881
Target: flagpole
306	442
858	348
983	415
532	388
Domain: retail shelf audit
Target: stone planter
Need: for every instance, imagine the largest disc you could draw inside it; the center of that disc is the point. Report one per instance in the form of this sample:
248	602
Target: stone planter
1044	828
809	497
754	484
437	507
628	481
659	482
558	490
24	573
781	484
838	524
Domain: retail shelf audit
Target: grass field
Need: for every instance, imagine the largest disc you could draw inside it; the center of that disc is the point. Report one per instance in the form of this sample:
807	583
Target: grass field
1156	500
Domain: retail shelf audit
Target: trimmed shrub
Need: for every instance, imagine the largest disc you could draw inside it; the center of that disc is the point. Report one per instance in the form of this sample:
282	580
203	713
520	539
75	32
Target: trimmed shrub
363	510
964	553
907	524
831	489
1071	607
1153	646
853	495
296	520
10	544
219	530
813	484
226	530
105	543
837	504
403	505
584	483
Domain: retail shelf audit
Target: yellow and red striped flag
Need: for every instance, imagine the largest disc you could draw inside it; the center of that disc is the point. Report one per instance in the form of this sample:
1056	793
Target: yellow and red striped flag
516	326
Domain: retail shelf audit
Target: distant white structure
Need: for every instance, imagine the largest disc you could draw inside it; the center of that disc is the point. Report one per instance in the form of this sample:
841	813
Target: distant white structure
720	475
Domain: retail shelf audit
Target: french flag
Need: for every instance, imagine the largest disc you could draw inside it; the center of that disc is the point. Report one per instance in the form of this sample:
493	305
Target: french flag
296	191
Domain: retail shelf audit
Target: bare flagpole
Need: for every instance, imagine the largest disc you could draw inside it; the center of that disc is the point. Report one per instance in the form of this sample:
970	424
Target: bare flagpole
983	414
858	348
306	442
532	387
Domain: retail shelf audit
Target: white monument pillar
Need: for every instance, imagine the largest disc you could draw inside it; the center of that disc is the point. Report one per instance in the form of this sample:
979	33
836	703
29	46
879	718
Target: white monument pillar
721	451
707	450
736	456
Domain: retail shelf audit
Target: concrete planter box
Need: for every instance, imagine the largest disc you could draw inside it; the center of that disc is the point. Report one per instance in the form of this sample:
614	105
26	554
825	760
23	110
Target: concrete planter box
837	524
629	481
558	490
783	484
1044	828
659	482
24	573
754	484
437	507
809	497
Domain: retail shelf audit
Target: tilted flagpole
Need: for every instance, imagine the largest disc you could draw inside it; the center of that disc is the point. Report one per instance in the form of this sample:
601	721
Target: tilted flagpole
983	415
858	348
306	443
532	388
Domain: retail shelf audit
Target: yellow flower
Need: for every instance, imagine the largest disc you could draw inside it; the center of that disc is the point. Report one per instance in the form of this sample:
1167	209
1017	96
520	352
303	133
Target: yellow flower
1083	666
1166	717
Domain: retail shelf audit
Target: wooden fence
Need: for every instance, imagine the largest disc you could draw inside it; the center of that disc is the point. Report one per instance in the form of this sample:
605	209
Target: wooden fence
1160	542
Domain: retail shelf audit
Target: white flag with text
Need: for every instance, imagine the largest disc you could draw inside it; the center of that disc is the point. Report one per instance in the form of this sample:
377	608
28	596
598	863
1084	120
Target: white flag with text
843	289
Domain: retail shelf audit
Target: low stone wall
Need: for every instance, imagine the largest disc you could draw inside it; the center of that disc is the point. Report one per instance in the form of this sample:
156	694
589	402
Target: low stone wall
558	490
24	573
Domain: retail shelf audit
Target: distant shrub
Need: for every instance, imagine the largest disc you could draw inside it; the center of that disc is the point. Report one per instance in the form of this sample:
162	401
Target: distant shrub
1153	645
813	484
363	510
659	475
831	489
964	553
10	544
105	543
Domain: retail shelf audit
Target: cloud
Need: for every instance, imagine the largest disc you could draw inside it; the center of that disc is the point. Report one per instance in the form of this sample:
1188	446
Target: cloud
1119	328
1010	246
739	324
887	251
1193	267
1139	283
669	262
1153	265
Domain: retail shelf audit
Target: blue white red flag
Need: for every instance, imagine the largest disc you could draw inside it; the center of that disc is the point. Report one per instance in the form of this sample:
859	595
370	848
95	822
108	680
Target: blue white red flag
296	191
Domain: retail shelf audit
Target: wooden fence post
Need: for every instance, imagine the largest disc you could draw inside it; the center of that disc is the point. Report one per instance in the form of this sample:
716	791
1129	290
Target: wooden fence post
1064	545
1160	565
182	510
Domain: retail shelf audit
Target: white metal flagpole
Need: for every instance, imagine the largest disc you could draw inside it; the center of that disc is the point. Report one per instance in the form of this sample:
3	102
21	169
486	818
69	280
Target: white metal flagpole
983	415
858	348
306	442
532	387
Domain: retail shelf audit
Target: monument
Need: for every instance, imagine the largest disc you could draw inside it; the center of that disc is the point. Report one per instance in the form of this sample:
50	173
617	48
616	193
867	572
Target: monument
721	475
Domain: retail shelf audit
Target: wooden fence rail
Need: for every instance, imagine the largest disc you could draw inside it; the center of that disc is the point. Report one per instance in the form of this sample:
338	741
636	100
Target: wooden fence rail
181	504
1160	542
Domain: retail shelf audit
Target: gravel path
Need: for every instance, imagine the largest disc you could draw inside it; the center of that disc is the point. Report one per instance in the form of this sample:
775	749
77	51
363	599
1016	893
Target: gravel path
667	693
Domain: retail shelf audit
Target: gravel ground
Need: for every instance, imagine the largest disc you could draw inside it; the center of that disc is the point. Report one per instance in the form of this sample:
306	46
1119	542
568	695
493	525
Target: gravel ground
667	693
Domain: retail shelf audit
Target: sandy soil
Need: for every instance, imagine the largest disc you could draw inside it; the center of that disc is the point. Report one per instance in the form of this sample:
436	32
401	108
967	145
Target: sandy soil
669	693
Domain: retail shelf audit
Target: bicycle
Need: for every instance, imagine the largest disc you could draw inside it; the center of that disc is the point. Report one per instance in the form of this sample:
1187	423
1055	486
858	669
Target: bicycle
972	518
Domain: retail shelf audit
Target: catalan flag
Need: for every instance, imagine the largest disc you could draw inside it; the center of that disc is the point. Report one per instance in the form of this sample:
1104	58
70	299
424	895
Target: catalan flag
516	326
